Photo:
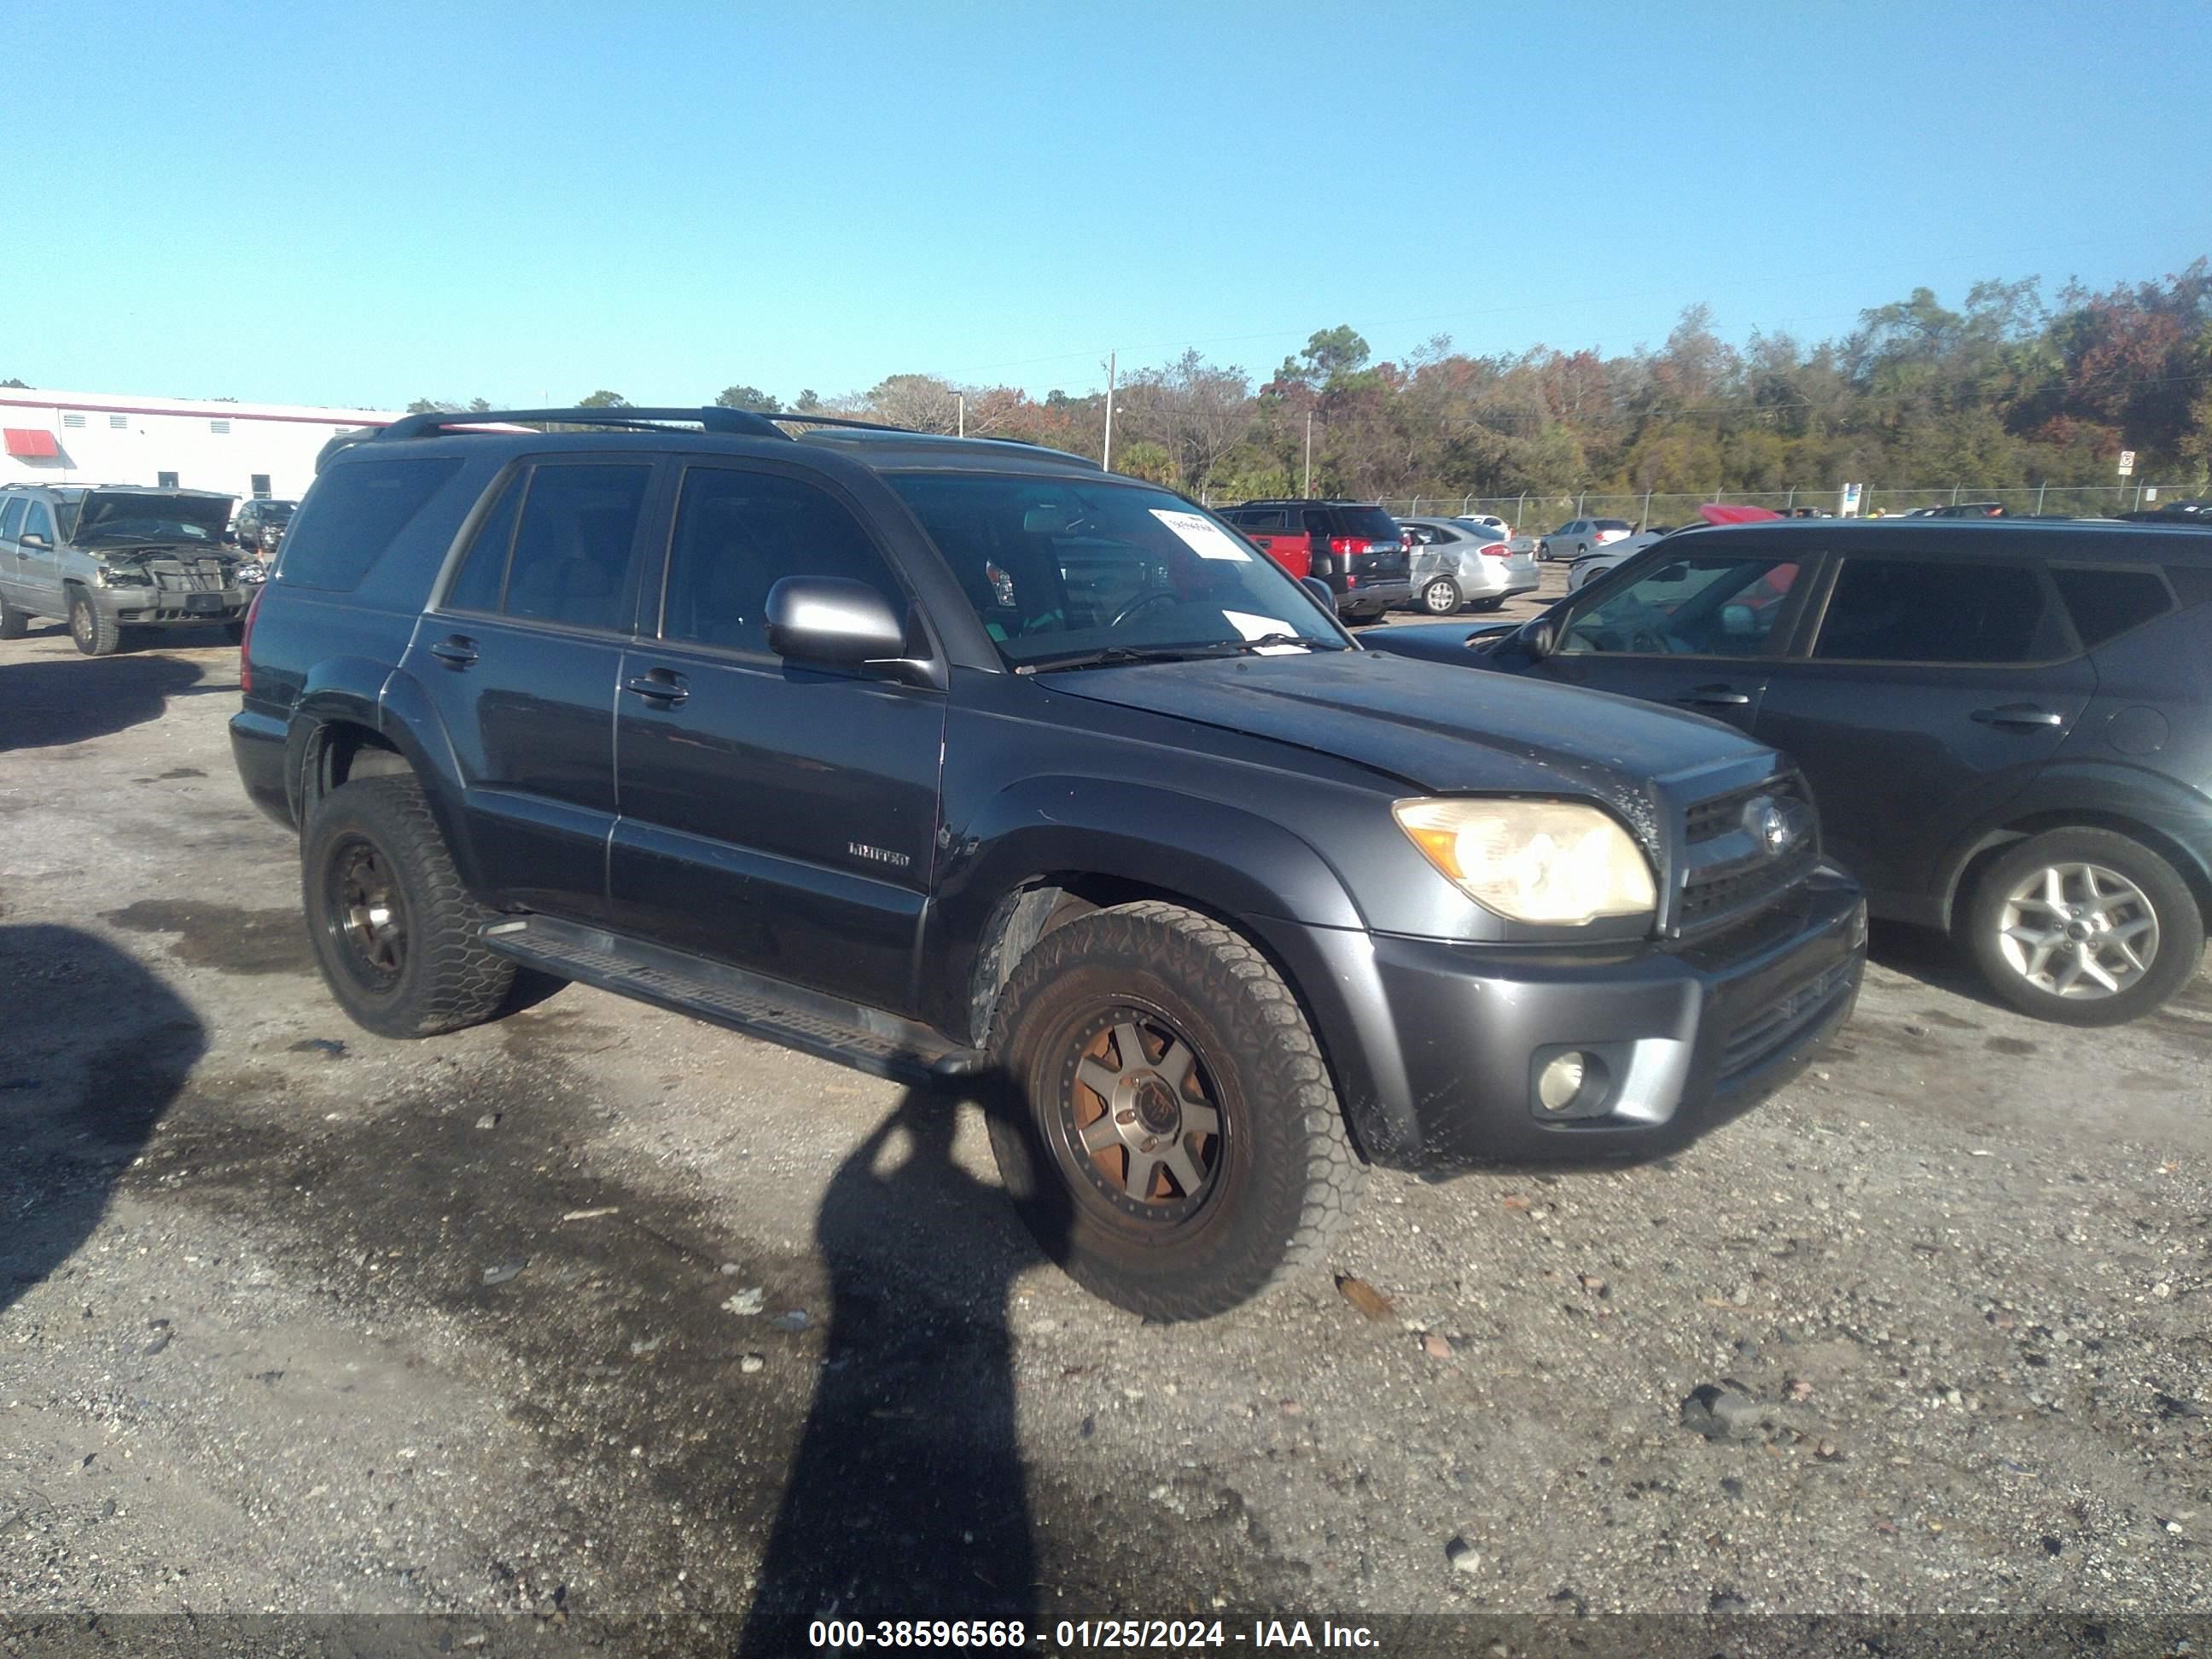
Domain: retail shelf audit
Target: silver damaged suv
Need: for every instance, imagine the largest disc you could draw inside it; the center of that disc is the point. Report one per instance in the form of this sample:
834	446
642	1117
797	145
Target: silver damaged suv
109	557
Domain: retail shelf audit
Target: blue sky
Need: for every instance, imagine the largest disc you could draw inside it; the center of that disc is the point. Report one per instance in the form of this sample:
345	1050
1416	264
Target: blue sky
369	203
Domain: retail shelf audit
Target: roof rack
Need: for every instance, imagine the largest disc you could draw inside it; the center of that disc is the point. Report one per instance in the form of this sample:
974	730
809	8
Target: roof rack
740	422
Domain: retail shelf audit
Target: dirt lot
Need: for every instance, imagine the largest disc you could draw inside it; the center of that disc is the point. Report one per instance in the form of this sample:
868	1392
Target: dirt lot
292	1318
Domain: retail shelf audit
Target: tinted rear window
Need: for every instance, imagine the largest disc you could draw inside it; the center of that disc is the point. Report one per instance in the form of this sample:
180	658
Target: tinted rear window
1371	522
2105	603
1609	524
355	514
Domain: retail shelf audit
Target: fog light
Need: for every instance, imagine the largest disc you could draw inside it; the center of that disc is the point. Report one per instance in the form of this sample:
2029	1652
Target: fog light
1559	1083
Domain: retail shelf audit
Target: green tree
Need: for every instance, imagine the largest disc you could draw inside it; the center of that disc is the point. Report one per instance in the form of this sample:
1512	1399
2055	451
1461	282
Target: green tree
747	396
603	399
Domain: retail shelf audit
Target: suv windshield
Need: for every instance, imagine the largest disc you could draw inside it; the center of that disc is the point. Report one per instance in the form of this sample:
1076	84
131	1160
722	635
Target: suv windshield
1060	568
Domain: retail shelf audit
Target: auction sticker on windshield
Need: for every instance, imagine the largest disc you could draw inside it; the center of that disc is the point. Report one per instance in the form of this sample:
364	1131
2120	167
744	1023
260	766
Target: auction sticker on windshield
1201	536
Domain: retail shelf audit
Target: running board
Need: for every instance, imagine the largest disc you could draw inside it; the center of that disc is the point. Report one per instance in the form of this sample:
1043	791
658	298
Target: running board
866	1039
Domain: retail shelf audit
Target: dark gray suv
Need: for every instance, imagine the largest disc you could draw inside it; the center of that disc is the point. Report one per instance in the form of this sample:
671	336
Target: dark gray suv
947	757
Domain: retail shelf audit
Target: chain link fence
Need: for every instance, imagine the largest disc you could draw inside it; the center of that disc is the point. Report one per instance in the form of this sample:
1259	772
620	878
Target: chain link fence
1540	512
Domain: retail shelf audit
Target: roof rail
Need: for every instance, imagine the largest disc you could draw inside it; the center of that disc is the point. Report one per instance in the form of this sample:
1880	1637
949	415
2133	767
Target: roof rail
739	423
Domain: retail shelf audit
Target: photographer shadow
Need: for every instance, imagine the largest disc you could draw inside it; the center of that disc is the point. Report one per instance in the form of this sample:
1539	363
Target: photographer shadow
907	1498
94	1050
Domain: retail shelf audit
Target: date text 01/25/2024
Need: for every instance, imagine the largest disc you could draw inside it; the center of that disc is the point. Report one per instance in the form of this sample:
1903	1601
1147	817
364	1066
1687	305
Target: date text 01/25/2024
1085	1634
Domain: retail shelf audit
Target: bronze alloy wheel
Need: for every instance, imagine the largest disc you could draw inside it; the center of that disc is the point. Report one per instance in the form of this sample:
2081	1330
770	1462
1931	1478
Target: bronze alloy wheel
368	916
1139	1129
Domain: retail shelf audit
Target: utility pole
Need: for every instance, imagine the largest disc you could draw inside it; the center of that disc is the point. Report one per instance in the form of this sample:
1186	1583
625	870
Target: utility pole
1308	491
1106	456
960	402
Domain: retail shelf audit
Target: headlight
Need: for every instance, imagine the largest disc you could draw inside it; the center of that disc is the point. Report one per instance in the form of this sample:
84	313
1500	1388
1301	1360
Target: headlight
1554	862
112	577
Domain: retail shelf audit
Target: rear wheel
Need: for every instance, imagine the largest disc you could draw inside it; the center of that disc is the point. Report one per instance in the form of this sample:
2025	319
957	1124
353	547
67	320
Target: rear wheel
397	937
235	631
1441	597
1165	1124
2085	927
92	630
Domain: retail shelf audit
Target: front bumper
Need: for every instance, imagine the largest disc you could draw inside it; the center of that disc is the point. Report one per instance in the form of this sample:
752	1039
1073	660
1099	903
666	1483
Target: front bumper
1436	1045
160	607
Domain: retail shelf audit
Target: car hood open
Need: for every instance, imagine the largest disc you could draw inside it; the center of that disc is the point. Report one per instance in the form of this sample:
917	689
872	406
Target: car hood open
1437	727
200	508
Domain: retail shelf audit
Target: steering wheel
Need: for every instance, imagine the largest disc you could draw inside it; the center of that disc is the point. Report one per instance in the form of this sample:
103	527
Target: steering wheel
1157	596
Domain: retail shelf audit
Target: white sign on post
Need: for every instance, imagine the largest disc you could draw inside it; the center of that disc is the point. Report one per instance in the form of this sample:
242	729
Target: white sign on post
2127	462
1848	506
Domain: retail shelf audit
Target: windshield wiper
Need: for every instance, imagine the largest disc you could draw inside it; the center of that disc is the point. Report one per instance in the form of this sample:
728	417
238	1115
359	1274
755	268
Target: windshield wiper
1114	655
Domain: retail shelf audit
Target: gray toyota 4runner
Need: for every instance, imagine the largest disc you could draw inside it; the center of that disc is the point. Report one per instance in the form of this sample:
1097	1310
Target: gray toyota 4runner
941	756
114	557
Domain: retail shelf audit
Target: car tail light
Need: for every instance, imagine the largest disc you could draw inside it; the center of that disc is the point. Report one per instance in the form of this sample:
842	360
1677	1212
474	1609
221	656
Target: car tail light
1347	547
246	640
1496	550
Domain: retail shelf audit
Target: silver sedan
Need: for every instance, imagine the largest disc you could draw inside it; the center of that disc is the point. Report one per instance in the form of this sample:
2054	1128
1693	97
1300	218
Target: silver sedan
1457	564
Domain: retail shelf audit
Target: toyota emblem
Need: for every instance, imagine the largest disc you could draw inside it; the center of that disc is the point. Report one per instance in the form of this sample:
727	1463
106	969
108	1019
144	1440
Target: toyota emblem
1766	820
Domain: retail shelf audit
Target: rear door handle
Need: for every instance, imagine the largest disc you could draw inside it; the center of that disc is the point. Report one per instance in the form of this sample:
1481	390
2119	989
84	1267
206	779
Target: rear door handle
2023	715
1715	696
455	652
662	686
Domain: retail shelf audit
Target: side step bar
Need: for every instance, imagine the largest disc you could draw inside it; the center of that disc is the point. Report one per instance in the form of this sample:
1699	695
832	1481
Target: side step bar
866	1039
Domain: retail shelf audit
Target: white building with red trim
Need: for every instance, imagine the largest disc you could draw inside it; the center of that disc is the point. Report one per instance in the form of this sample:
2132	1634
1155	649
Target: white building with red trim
239	449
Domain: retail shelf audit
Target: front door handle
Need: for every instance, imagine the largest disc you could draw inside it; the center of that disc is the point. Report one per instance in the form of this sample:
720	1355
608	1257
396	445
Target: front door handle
455	652
1715	696
2027	715
661	686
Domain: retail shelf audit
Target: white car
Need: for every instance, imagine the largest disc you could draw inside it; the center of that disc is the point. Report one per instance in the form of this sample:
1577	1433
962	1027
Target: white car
1572	539
1485	522
1457	565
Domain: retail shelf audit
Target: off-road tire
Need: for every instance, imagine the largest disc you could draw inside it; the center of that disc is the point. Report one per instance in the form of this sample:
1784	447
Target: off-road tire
14	623
2180	924
1288	1173
91	630
1424	601
448	977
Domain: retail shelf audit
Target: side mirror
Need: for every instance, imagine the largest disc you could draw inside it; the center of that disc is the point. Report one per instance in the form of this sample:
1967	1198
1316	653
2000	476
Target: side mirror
31	538
838	624
1320	590
1539	639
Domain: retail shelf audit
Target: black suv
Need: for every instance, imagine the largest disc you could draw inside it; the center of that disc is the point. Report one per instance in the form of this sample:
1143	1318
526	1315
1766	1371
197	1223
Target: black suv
2007	724
260	526
940	756
1356	547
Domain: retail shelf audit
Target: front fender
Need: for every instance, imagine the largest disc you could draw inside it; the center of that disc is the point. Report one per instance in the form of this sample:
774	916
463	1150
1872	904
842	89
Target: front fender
1219	856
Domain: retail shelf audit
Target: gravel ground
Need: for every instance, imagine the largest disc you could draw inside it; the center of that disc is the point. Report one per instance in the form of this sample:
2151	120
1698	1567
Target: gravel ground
601	1310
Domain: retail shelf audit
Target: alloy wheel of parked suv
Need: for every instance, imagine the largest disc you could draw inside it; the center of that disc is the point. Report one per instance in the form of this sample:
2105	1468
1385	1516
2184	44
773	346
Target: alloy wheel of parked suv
1165	1123
2086	927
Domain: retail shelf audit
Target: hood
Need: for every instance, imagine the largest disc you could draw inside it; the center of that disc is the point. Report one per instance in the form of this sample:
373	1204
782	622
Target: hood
1440	727
137	515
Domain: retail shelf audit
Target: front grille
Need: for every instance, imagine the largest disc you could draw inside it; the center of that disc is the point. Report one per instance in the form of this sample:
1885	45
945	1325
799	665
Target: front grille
175	576
1707	820
1732	870
1770	1030
1708	898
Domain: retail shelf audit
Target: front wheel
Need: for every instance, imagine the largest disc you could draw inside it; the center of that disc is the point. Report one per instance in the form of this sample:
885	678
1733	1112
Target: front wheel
397	937
92	629
14	623
1440	598
2084	927
1164	1121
